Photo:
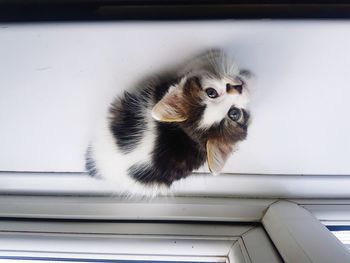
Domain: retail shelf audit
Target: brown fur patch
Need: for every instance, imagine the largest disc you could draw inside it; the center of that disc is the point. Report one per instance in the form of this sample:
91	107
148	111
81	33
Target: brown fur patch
171	108
218	152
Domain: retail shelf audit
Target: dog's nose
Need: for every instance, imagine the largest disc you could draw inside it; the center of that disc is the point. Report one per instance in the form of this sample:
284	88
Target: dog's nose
234	88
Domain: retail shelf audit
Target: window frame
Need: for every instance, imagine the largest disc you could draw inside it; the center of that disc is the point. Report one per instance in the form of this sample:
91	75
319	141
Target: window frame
147	241
226	185
77	215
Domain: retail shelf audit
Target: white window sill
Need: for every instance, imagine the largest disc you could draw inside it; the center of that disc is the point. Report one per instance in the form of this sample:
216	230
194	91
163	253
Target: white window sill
227	185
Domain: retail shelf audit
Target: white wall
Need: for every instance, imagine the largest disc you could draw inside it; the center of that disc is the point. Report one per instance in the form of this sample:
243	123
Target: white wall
56	79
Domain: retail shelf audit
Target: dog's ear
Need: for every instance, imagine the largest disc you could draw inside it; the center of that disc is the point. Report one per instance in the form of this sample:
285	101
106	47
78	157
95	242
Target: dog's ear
171	108
218	152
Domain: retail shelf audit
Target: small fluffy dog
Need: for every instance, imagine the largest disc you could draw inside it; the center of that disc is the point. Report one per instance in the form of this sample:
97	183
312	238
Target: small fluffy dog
171	125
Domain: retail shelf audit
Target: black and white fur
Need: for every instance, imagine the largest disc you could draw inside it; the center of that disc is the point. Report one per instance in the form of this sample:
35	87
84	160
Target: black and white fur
169	126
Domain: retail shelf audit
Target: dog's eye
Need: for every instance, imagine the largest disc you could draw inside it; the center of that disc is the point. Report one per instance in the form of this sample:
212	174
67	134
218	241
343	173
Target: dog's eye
234	114
212	93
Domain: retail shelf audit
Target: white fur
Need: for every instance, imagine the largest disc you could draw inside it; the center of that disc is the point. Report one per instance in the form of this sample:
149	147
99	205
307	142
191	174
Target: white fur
155	115
217	108
112	164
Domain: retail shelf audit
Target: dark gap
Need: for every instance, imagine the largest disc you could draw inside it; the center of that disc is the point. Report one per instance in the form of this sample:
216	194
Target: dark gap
116	10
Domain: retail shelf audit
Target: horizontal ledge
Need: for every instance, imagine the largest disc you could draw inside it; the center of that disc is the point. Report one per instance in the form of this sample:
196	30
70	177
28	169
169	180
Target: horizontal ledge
330	214
112	208
229	185
170	209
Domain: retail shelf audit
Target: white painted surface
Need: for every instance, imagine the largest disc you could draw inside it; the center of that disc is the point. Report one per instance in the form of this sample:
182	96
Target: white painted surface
56	79
123	229
112	244
135	241
102	208
260	247
331	214
232	185
236	254
162	208
300	237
